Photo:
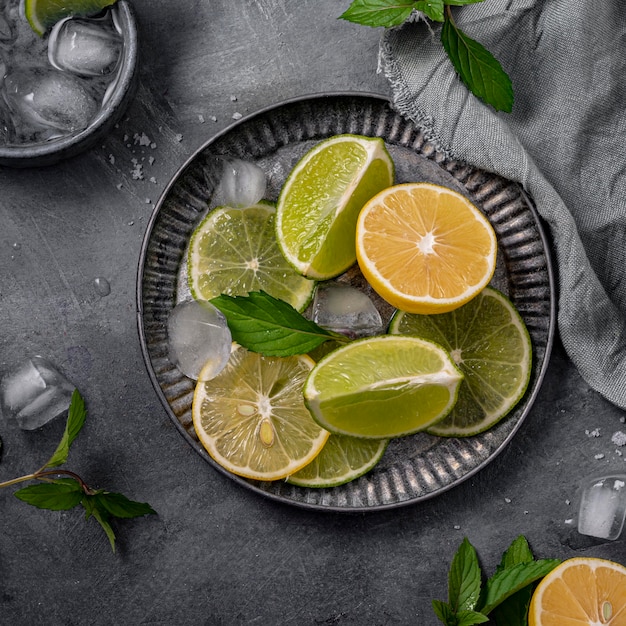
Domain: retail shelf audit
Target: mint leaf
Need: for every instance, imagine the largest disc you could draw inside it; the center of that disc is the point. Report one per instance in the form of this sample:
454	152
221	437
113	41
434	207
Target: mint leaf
464	578
444	612
479	70
262	323
432	9
469	618
119	505
514	610
518	552
92	509
75	419
379	12
60	495
505	583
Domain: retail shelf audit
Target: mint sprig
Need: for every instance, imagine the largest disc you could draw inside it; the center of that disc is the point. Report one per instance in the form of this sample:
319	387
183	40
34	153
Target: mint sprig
262	323
477	68
503	599
70	490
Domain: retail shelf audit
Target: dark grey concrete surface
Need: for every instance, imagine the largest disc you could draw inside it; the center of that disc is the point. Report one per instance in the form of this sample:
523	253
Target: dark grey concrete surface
217	554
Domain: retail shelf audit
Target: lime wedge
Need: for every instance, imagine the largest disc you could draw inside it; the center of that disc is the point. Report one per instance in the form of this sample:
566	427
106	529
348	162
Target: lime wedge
490	344
42	14
234	251
320	201
382	387
341	460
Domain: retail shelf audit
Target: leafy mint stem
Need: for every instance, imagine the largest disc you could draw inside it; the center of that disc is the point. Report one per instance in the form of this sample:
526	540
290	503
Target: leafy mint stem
62	489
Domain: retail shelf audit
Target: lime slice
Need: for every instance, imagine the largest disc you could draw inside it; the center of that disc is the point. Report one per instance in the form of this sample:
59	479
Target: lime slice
320	201
382	387
251	417
491	346
234	251
341	460
42	14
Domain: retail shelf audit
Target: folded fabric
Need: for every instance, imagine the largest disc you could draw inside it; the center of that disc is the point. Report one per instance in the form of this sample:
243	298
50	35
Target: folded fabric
564	142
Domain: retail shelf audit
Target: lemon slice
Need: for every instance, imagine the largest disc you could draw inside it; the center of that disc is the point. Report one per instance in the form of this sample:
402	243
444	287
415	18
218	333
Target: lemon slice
234	251
490	344
581	591
251	417
341	460
320	201
425	248
42	14
382	387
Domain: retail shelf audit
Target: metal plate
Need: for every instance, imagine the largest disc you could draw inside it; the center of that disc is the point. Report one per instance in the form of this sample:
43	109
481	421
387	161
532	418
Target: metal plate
413	468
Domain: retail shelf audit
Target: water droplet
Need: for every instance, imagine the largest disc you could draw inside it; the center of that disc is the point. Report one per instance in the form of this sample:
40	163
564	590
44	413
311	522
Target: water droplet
17	246
102	286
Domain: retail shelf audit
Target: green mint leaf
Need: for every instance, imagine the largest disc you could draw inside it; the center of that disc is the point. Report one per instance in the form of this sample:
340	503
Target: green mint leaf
60	495
469	618
514	610
505	583
119	505
444	612
477	68
75	419
92	509
262	323
432	9
518	552
464	579
385	13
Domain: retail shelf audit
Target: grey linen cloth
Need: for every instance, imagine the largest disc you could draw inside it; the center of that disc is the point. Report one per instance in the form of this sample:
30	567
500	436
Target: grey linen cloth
564	142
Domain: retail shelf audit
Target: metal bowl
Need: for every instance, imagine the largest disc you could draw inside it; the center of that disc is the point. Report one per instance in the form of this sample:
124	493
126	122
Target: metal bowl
53	151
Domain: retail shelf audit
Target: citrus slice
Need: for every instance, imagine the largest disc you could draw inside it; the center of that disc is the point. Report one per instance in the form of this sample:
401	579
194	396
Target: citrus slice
234	251
341	460
320	201
251	417
42	14
382	387
581	591
425	248
490	344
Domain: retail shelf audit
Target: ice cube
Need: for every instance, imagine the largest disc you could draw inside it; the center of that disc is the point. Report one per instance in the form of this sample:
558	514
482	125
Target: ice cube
242	183
347	310
34	393
45	102
85	47
198	336
603	507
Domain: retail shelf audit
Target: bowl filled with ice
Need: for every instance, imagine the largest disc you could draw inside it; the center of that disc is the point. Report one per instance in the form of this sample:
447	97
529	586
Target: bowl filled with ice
60	92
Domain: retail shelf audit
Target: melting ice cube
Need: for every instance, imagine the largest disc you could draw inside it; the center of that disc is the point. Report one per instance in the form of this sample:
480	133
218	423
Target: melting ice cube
48	101
198	336
242	183
603	507
85	47
35	393
346	310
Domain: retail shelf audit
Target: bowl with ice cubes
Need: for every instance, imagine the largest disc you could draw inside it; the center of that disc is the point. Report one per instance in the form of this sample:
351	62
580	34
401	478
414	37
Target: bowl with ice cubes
63	91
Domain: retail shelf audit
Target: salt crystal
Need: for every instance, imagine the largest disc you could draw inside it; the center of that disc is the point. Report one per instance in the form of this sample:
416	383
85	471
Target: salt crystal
619	438
178	137
233	98
201	119
597	457
593	433
237	116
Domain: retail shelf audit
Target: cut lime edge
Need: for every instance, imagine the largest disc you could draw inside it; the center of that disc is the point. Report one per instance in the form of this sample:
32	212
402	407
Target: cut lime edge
262	204
312	400
440	429
336	481
70	8
379	151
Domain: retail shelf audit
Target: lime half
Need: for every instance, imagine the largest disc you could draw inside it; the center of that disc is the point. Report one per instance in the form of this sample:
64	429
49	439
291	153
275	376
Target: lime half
341	460
320	201
382	387
234	251
490	344
42	14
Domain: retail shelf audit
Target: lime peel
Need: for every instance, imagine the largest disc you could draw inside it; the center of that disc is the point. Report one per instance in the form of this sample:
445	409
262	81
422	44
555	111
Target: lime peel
42	14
